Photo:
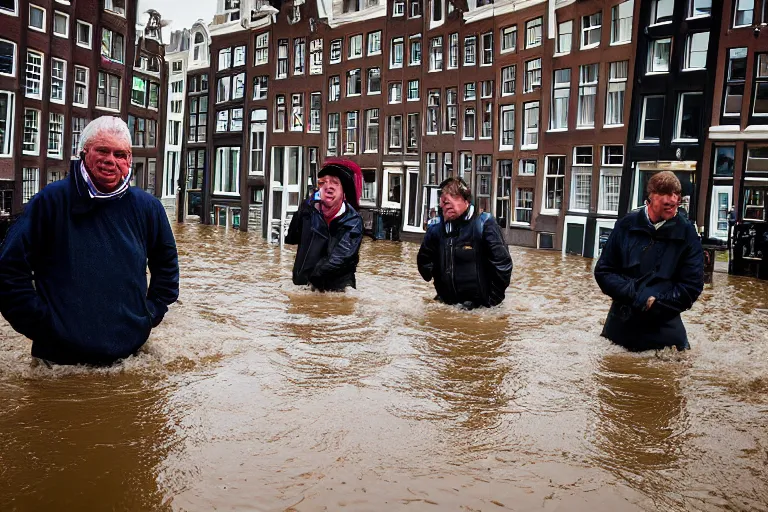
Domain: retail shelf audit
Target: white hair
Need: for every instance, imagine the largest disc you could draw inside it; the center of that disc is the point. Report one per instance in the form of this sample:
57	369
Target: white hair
105	124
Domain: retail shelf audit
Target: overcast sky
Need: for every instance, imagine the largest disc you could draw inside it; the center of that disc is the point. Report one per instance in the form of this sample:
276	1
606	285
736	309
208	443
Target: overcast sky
182	13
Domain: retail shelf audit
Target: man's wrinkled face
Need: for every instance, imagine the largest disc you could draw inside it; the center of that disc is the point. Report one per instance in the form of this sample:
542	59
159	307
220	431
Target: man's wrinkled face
663	207
107	160
331	192
453	206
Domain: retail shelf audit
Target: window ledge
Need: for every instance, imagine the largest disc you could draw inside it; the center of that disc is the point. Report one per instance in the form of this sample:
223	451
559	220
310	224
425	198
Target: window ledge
42	30
661	24
465	65
609	126
486	65
529	147
434	70
590	47
452	67
653	73
508	50
647	141
621	43
514	223
685	141
107	109
562	54
413	99
554	213
557	130
585	127
374	93
399	66
685	70
371	54
506	148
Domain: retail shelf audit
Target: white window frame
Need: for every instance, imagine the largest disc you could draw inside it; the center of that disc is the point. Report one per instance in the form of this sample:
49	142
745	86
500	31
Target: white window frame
62	79
351	128
395	144
545	188
528	131
333	149
89	43
486	49
385	202
533	37
395	42
581	169
654	21
218	171
653	53
508	76
13	12
560	90
414	57
53	119
510	31
35	172
372	47
453	51
689	49
589	24
692	10
618	22
355	51
65	34
371	115
335	50
736	11
395	98
521	194
40	79
349	79
605	173
316	57
6	148
560	42
261	49
45	16
258	128
14	64
734	82
436	54
398	8
368	81
470	51
506	109
616	85
35	131
410	89
679	116
586	84
641	136
532	75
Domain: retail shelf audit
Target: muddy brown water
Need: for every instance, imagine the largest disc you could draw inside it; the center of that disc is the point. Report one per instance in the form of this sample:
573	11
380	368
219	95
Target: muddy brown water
258	395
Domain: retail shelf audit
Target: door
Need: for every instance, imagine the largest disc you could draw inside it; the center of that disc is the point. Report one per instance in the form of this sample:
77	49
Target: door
574	239
722	198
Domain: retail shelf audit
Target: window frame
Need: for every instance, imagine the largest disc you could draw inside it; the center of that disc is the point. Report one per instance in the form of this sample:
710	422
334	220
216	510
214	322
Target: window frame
45	16
688	50
14	57
641	132
65	34
587	31
679	116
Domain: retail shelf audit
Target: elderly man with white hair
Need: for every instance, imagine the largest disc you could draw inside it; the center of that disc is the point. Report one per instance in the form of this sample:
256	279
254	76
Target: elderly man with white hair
73	268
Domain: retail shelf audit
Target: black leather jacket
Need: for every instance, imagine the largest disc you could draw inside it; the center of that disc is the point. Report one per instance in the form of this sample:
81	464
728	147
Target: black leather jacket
639	262
471	263
327	255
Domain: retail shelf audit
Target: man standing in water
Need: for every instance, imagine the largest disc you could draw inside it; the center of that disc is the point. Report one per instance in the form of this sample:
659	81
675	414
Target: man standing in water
652	267
464	251
329	230
73	268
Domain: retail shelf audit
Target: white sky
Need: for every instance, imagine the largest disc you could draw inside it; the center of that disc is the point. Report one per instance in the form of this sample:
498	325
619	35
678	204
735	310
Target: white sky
182	13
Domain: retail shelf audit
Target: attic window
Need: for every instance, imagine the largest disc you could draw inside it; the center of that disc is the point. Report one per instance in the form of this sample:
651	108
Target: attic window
295	15
351	5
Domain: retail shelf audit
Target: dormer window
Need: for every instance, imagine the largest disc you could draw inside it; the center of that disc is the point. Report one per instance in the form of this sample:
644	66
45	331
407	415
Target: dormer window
232	9
199	49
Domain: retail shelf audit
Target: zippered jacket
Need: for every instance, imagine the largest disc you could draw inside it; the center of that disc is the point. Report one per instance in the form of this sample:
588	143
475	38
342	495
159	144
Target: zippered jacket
470	263
327	255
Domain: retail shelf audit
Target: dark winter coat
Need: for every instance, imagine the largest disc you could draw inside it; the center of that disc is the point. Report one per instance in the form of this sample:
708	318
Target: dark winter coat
73	273
639	262
327	255
471	263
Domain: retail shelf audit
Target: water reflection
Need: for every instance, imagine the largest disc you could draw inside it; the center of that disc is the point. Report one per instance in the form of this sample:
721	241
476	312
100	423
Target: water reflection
642	422
83	442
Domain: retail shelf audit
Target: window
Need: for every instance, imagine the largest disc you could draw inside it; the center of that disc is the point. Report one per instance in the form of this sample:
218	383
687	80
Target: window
553	182
483	182
55	135
297	112
696	47
333	134
658	55
469	123
372	130
369	186
334	88
700	8
415	10
736	77
486	89
507	119
299	55
258	141
282	58
689	108
200	52
374	43
531	125
396	53
433	112
198	119
610	189
30	183
581	178
533	33
621	22
34	74
350	147
226	177
261	49
414	52
354	83
561	95
316	57
453	51
587	95
78	124
508	81
154	95
31	141
451	110
280	113
614	100
225	58
398	8
744	13
431	167
413	90
355	47
761	86
470	43
6	123
613	156
527	167
108	93
395	133
112	45
36	18
115	6
487	48
503	192
260	85
139	91
650	121
469	91
590	30
486	126
509	39
8	7
436	54
152	133
335	52
532	75
61	24
395	92
447	165
523	205
465	166
564	37
661	11
58	80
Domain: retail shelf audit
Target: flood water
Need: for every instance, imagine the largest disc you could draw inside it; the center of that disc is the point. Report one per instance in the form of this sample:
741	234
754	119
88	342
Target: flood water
255	394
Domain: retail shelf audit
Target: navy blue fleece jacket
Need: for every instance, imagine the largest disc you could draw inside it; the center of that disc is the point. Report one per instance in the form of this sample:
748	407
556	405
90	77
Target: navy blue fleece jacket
73	273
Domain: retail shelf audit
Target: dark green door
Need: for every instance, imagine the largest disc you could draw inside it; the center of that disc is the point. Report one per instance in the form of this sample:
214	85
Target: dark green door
575	239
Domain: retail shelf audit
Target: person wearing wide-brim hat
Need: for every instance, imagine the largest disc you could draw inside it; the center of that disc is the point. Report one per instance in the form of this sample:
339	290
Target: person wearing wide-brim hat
328	229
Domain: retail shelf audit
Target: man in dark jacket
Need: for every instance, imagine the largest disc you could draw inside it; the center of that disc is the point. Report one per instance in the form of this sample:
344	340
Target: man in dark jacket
73	268
329	230
652	267
464	251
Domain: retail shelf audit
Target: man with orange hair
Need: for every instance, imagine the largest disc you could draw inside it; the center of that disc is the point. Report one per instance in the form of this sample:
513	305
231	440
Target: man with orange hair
653	268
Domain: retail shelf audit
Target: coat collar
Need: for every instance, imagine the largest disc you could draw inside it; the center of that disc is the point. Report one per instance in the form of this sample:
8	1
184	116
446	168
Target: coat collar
674	228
